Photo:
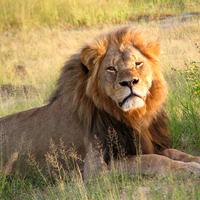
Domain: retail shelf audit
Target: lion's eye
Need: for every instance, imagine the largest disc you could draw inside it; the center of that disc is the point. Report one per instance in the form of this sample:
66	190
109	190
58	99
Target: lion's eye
139	64
111	69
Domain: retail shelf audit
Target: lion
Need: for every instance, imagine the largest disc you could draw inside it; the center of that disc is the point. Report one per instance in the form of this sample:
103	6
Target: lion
110	105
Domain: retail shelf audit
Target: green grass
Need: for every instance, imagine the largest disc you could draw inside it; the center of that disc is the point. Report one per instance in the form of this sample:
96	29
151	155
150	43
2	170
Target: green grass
111	186
183	107
70	13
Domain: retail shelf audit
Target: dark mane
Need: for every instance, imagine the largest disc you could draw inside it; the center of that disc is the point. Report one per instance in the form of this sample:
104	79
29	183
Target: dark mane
120	140
71	88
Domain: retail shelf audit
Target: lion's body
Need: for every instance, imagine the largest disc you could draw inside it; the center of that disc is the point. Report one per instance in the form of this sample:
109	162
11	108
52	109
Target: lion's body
77	111
31	131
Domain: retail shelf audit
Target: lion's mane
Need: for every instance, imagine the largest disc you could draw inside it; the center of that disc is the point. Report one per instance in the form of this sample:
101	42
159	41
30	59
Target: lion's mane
143	130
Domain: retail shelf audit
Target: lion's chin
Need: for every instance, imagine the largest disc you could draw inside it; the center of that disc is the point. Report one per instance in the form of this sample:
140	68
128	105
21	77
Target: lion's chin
131	103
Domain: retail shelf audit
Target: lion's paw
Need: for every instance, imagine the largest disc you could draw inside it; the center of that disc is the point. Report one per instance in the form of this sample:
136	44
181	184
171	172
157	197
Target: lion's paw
193	168
196	159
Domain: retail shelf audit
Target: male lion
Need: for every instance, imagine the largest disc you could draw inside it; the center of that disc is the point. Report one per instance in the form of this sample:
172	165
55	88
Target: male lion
109	103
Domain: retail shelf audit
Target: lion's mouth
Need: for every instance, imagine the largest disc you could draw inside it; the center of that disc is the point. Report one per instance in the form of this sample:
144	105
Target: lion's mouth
132	94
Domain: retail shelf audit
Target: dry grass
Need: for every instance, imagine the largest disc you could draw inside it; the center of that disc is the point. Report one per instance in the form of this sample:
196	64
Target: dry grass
43	51
25	14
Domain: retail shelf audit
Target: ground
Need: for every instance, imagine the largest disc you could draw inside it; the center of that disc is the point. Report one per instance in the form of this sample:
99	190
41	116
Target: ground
33	58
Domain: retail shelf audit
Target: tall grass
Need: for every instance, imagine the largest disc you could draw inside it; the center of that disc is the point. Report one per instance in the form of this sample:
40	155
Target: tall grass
111	186
183	107
68	13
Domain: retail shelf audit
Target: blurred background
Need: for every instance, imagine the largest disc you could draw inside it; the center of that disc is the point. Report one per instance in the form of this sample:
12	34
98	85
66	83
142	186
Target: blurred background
25	14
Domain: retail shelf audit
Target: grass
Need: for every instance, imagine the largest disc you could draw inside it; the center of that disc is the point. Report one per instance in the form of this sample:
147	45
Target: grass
111	186
42	51
25	14
183	107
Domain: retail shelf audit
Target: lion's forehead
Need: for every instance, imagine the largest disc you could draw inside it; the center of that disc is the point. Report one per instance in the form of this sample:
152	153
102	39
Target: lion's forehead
122	56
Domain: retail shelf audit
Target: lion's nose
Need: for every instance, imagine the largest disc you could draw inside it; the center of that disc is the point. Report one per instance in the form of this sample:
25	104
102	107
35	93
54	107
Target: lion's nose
129	83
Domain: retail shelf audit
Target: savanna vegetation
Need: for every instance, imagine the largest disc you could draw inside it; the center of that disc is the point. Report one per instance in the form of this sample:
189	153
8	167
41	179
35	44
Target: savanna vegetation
35	41
25	14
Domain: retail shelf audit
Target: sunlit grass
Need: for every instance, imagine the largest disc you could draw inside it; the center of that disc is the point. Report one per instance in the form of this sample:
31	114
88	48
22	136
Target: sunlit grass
183	107
25	14
111	186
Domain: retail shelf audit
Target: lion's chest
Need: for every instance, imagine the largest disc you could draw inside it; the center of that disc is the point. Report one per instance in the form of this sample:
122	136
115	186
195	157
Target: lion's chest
117	139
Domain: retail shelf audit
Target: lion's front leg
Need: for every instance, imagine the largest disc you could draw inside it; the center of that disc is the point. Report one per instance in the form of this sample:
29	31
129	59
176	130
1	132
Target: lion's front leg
153	164
148	164
179	155
94	163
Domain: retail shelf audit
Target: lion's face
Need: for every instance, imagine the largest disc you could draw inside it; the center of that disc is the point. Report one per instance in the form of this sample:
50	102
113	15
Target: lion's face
122	68
126	76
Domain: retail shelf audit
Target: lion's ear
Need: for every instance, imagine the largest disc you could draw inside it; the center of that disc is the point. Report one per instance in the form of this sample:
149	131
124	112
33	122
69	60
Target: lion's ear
153	49
92	53
88	56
